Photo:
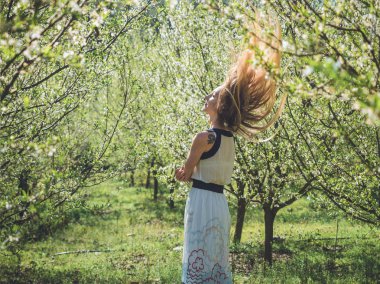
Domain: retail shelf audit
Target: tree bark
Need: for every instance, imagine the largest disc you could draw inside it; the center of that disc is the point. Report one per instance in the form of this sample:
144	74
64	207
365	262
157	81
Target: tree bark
242	205
171	201
171	186
132	177
147	183
269	215
23	180
241	208
155	187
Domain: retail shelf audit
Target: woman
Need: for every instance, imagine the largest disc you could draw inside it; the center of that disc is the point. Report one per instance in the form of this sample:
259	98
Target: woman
237	106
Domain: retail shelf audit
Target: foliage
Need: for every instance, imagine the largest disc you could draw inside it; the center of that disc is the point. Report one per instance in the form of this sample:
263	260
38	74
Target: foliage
92	89
328	137
55	75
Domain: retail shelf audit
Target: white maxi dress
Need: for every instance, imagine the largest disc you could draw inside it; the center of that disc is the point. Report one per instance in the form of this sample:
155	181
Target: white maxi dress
207	217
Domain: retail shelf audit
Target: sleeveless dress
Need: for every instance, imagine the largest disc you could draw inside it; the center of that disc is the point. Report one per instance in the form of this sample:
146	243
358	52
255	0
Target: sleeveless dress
207	218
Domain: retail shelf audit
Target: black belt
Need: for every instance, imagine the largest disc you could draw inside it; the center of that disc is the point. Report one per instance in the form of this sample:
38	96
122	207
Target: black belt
208	186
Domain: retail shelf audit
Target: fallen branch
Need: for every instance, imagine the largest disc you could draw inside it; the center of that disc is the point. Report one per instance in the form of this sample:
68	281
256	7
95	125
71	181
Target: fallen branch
81	251
333	239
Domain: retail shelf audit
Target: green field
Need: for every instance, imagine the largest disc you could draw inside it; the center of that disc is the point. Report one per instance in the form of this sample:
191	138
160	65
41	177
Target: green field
136	240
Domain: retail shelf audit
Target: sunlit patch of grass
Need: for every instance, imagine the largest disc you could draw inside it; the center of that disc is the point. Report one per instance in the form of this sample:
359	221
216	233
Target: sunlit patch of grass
123	236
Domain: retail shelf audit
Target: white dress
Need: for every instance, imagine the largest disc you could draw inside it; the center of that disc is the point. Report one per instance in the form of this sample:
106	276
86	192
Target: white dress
207	218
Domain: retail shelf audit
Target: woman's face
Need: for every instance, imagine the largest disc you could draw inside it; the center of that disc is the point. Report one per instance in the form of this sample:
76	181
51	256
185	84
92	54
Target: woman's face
211	101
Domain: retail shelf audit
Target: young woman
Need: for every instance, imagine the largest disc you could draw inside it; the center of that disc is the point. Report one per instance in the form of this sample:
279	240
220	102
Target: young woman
238	106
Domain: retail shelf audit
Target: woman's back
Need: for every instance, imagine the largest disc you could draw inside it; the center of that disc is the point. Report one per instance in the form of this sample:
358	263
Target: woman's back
216	165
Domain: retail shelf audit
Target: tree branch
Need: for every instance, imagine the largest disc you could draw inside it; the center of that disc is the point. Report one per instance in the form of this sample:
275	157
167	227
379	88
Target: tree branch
45	79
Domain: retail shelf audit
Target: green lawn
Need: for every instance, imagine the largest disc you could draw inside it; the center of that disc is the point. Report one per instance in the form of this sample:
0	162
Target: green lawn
140	241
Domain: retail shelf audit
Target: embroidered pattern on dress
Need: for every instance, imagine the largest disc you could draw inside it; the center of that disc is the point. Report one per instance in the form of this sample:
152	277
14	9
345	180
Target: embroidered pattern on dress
196	272
208	260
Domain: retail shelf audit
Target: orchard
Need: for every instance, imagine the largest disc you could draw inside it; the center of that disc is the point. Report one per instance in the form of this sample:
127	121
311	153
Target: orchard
98	93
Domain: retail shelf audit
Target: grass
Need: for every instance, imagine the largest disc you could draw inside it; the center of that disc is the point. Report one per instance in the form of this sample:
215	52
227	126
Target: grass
137	240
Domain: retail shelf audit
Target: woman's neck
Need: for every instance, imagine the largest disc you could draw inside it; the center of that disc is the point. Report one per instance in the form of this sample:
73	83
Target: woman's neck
215	123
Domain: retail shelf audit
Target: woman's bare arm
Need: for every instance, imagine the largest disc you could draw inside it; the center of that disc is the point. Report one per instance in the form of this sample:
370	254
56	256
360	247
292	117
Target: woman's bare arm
202	142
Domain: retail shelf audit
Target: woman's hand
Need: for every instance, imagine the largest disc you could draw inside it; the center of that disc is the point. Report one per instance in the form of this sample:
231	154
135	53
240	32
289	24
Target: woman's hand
181	175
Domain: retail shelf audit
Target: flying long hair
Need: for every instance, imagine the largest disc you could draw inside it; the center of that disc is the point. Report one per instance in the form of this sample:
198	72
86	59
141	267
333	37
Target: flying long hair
248	94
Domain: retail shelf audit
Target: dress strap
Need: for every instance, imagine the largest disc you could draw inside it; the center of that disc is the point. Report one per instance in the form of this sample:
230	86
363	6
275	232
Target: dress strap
222	132
214	147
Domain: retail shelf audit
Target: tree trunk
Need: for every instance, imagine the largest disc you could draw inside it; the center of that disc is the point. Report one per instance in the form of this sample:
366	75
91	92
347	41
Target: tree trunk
155	188
242	204
23	181
147	183
132	177
24	188
269	215
171	186
171	201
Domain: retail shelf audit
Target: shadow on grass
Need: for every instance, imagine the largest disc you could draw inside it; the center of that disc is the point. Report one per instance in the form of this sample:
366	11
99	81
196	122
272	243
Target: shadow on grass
354	261
299	261
134	205
41	274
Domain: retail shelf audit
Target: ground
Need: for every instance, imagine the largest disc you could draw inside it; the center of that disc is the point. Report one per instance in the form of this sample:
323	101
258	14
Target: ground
134	239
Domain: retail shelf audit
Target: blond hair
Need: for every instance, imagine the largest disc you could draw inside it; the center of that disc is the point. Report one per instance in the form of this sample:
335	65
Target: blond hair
248	94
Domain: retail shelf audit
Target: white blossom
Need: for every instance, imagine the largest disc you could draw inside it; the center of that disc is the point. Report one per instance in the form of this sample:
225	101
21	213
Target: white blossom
337	65
307	71
344	97
68	54
97	19
75	7
285	44
27	53
52	151
13	239
36	33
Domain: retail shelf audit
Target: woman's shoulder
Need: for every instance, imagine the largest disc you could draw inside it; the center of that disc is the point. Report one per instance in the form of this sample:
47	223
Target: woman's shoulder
206	137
